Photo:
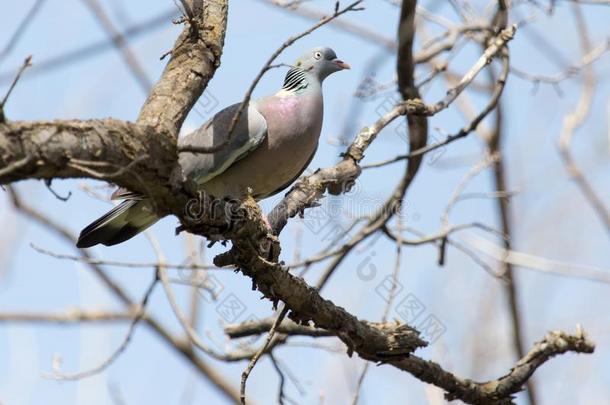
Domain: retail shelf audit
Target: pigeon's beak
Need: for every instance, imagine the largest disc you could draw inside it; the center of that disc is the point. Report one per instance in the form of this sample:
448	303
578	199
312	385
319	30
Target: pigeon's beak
341	64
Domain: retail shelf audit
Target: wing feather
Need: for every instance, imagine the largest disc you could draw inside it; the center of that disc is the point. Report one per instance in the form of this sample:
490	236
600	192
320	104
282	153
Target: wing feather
249	132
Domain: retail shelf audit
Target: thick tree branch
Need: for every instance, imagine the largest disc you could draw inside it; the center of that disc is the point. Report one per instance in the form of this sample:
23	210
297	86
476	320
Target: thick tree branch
405	68
260	326
195	57
498	391
305	303
117	151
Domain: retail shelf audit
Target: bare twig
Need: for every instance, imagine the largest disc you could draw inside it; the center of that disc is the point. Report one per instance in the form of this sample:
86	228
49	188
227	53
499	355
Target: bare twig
58	375
68	58
280	395
359	383
472	125
193	336
591	57
260	326
483	164
386	311
120	42
27	20
104	262
254	360
521	260
26	63
360	31
574	120
496	45
48	183
69	317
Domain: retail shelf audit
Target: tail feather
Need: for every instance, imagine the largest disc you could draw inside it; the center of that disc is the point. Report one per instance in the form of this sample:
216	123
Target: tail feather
119	224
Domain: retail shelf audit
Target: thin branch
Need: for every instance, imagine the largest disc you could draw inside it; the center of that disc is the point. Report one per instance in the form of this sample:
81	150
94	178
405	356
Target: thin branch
418	137
386	311
69	317
104	262
260	326
48	183
280	395
467	129
69	58
472	125
521	260
591	57
254	360
18	33
17	164
442	238
193	336
475	170
573	121
188	11
495	46
443	234
359	383
494	145
120	42
26	63
58	375
358	30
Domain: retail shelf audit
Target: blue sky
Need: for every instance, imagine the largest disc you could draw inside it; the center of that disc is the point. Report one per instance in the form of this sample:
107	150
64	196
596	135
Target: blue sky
551	217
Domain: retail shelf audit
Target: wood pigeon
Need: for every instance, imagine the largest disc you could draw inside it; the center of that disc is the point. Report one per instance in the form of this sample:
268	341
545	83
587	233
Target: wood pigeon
274	140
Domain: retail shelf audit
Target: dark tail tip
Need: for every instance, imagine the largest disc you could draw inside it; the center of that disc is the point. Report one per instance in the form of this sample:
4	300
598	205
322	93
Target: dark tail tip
84	243
114	226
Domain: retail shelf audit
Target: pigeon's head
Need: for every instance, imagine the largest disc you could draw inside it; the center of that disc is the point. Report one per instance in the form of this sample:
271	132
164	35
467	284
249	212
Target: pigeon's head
321	62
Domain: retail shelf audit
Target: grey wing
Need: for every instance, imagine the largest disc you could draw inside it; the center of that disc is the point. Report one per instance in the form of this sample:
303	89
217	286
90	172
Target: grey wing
249	132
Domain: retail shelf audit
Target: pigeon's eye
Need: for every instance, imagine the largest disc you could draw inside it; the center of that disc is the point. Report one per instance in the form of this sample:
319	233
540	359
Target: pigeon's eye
317	55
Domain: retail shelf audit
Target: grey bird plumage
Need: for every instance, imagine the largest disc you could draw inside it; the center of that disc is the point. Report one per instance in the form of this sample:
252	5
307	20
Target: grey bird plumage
273	142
